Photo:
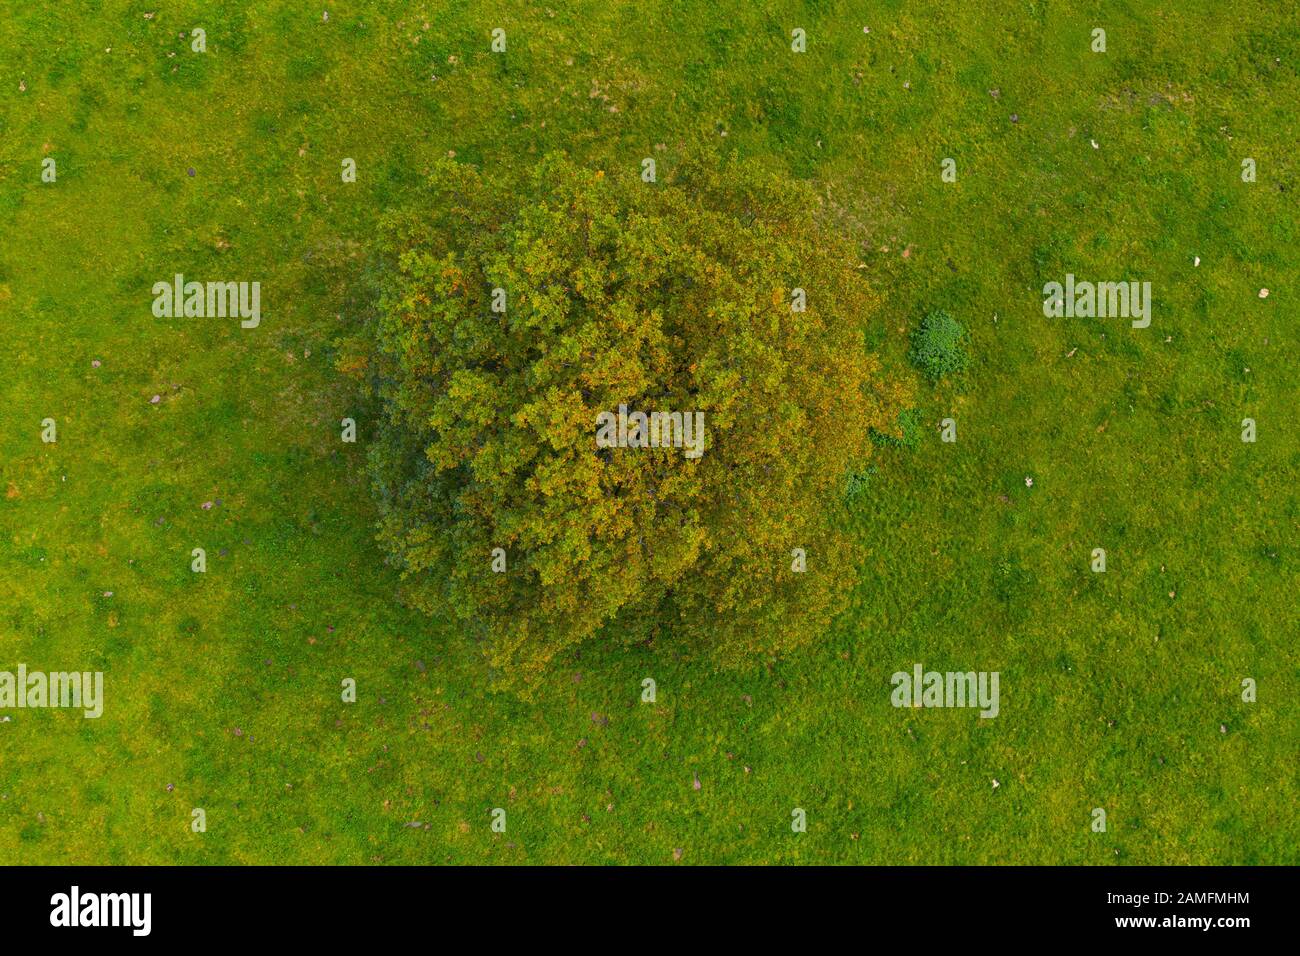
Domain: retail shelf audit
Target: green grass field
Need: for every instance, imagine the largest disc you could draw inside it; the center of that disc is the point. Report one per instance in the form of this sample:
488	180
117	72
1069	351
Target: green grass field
1120	690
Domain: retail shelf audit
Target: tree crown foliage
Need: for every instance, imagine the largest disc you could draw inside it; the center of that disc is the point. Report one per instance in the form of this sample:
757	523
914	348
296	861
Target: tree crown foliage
662	296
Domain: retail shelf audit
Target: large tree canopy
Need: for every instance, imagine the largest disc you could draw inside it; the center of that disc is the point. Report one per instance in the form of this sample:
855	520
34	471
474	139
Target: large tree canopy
664	296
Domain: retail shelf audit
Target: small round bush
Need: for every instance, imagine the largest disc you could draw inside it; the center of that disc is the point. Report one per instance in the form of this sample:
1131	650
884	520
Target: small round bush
939	346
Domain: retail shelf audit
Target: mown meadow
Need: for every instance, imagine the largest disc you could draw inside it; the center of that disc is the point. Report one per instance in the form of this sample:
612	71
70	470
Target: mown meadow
1119	690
